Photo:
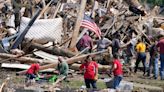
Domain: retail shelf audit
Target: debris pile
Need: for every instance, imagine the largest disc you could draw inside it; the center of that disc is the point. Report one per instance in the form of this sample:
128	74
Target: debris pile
41	30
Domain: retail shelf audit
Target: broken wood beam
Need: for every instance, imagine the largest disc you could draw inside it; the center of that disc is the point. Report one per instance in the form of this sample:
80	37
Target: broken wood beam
65	41
101	68
57	8
78	23
4	83
69	61
23	58
44	9
55	50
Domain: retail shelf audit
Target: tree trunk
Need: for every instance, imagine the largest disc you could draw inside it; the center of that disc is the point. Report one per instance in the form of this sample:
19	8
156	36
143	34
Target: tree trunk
55	51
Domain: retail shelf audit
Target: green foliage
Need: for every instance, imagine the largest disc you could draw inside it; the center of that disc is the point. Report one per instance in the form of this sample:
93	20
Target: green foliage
154	2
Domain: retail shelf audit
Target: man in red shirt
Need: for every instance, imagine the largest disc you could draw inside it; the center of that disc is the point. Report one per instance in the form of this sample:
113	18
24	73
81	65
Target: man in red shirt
32	72
90	72
117	71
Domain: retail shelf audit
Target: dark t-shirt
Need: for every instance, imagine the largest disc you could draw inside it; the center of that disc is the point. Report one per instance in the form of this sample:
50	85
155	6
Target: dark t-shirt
161	46
115	46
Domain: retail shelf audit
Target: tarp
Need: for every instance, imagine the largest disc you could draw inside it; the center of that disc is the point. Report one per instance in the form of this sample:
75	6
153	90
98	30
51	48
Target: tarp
43	29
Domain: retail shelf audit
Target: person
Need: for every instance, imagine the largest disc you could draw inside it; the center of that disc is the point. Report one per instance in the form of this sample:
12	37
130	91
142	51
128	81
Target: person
85	42
141	55
103	44
32	73
116	44
90	69
17	4
153	59
130	52
62	67
117	71
160	45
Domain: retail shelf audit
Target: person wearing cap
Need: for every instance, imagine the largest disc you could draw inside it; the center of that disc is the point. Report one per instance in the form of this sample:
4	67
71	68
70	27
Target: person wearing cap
90	69
62	67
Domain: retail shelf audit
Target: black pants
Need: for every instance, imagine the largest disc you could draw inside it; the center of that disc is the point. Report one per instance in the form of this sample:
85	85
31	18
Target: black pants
90	81
141	57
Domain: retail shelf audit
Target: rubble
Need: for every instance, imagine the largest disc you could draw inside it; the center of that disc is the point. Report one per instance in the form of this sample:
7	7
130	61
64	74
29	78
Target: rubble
59	22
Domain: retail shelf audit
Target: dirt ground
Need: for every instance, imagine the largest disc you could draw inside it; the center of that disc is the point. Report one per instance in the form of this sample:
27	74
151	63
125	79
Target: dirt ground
75	81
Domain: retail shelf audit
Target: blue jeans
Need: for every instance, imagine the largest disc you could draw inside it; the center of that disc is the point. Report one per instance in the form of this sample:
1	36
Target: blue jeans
154	63
90	81
116	82
162	66
30	76
141	57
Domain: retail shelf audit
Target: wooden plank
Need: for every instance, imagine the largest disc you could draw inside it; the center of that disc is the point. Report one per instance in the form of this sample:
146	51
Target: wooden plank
101	68
24	59
46	56
44	9
55	50
17	66
57	8
23	66
4	83
78	23
69	61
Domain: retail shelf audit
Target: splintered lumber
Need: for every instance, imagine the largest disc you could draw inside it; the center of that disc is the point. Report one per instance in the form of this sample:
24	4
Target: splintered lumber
78	23
57	8
44	9
23	67
4	83
24	59
55	50
69	61
46	56
57	81
101	68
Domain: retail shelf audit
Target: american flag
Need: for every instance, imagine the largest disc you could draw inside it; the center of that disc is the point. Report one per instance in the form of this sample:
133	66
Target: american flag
87	22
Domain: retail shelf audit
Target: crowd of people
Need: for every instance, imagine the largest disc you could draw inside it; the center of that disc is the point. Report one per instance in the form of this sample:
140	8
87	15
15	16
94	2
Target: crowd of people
90	67
135	49
130	50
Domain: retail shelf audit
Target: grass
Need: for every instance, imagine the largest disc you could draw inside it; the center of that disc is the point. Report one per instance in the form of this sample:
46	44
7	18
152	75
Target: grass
78	83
